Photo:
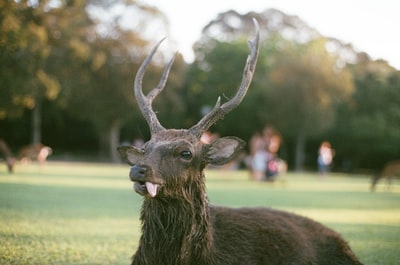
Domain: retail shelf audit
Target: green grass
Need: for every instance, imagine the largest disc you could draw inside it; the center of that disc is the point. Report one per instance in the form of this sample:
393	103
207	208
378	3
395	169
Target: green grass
76	213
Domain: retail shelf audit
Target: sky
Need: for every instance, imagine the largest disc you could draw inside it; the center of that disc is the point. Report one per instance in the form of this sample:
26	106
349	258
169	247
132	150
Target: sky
369	25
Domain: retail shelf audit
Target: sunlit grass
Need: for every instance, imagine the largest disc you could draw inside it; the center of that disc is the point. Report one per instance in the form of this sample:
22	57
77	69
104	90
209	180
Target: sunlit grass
76	213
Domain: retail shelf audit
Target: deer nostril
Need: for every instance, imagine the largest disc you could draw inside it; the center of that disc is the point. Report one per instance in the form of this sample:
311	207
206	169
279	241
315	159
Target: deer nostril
137	172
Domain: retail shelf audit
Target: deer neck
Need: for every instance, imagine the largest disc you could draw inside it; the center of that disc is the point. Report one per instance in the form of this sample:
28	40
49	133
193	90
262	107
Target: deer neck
177	229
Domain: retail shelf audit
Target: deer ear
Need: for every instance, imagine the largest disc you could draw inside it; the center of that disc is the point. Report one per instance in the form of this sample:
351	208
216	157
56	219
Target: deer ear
130	154
224	150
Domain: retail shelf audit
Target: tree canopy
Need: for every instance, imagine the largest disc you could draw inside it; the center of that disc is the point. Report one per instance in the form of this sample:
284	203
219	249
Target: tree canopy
68	69
297	85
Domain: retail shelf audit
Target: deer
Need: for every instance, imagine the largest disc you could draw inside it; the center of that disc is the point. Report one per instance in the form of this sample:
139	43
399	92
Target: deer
7	156
390	170
34	152
178	223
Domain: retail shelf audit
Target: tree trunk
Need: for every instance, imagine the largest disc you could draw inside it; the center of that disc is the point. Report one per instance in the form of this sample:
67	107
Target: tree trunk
300	151
36	123
114	132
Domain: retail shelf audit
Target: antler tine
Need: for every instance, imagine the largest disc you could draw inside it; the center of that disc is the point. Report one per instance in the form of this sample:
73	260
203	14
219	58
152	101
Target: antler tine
218	112
145	102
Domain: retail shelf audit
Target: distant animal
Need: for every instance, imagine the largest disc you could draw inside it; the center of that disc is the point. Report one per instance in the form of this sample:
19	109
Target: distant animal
180	226
7	156
390	170
34	152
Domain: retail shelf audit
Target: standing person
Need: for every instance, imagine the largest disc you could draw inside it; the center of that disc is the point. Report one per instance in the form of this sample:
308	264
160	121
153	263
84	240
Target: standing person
265	163
258	157
273	141
325	157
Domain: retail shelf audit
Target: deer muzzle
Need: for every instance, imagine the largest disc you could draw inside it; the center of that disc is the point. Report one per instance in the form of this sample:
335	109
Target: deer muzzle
140	174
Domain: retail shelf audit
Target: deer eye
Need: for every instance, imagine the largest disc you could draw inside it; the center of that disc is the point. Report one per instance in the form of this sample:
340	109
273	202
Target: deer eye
186	154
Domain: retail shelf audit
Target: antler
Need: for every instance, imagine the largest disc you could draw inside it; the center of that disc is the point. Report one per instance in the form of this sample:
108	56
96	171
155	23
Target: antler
218	112
145	102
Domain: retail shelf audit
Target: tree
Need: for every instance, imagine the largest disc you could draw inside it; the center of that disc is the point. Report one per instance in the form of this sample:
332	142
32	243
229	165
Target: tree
207	79
63	51
115	57
35	36
305	87
297	82
34	82
367	131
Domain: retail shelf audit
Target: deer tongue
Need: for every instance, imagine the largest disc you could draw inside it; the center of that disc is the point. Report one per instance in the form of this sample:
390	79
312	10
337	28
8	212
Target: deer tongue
151	188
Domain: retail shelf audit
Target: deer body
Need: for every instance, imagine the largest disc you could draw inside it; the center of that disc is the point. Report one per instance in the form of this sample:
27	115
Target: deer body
38	152
180	227
6	154
390	170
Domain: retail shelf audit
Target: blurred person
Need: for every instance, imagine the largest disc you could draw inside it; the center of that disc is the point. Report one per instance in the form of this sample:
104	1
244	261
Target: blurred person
325	157
265	163
273	141
257	157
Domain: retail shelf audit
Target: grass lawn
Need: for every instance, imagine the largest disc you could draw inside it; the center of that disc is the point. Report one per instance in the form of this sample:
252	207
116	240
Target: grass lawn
76	213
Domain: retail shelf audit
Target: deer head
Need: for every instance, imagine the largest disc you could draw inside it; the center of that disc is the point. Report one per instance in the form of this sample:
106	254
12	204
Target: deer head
176	158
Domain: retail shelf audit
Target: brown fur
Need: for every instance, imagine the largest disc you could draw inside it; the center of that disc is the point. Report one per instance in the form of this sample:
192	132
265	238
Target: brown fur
7	156
34	152
389	171
180	227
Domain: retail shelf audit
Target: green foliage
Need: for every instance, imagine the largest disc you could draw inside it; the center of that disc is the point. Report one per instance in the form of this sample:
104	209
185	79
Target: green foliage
52	53
75	213
218	74
370	124
305	87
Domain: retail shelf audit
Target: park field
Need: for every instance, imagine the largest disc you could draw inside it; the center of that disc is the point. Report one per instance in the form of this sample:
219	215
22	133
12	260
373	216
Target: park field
87	213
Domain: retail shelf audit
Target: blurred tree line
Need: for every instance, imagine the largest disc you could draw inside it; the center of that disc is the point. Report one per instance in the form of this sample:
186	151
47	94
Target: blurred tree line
67	69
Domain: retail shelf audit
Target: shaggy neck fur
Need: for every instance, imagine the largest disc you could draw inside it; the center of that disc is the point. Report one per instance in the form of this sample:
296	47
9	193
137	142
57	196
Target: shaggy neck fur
176	228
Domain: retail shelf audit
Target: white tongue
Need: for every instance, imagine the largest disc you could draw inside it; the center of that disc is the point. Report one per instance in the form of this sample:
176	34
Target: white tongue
151	188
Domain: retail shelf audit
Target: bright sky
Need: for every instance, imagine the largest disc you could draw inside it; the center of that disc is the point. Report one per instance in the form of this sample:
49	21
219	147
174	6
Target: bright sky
371	26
